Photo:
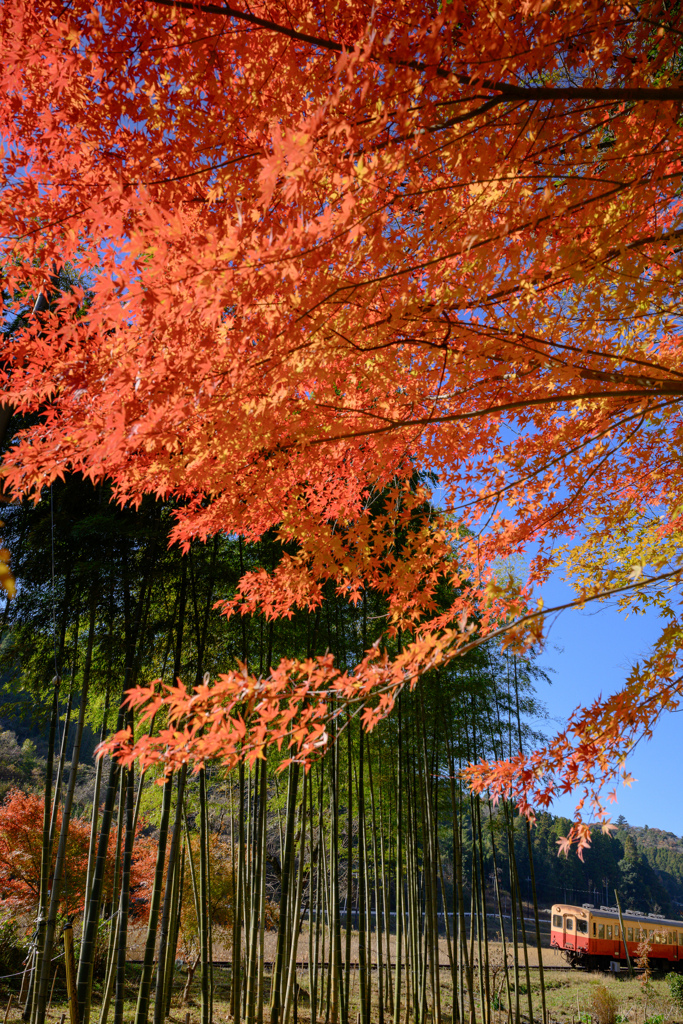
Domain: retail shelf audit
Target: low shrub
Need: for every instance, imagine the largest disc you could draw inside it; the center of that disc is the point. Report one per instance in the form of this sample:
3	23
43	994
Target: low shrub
604	1005
675	983
13	949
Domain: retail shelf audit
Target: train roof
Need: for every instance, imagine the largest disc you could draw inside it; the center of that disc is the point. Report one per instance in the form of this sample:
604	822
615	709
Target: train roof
656	920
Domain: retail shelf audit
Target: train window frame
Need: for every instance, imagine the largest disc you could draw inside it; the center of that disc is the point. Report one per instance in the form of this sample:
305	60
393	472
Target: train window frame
581	927
601	931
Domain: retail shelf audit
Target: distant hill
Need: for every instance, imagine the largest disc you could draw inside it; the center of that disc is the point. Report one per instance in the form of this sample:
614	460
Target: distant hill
644	864
663	851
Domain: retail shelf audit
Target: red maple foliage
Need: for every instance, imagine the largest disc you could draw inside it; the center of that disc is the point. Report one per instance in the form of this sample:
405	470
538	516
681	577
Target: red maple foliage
21	816
312	244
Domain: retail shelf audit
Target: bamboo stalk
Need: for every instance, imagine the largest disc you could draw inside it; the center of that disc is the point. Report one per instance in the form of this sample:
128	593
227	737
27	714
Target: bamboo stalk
173	859
399	866
500	912
379	923
284	893
262	891
235	992
60	766
96	804
349	862
46	851
110	975
70	968
92	912
296	919
362	890
142	1008
172	946
204	901
60	860
124	900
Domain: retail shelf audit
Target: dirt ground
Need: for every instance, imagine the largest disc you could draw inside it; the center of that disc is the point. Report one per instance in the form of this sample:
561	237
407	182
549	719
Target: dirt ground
222	951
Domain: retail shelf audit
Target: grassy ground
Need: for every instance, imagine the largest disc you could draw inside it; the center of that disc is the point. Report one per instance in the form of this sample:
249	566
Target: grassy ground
570	997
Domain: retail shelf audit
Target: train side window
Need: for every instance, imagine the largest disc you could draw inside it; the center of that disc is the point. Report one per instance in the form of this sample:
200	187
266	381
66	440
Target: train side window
616	931
629	933
594	929
637	934
652	935
570	924
582	927
557	921
609	931
668	938
601	931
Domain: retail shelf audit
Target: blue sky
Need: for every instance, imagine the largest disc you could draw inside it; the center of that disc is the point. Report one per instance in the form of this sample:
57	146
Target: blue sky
590	652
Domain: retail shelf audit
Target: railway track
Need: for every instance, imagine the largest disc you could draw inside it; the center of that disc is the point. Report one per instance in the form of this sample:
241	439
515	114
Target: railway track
354	965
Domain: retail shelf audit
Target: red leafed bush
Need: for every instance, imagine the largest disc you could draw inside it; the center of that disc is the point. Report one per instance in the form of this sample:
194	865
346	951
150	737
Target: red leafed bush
21	832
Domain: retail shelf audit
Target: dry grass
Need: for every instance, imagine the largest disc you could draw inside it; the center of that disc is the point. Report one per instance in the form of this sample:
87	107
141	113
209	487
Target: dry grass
551	957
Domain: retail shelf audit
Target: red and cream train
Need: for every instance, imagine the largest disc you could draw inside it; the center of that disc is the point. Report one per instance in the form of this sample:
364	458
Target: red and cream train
592	937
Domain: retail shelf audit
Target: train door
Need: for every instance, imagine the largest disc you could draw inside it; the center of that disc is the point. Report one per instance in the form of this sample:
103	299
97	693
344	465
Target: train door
569	932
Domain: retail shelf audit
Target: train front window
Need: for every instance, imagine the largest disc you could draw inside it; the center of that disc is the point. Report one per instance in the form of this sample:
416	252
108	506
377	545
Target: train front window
601	931
582	927
557	921
570	924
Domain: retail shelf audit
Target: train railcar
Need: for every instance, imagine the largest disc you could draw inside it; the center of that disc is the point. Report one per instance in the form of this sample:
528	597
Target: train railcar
592	937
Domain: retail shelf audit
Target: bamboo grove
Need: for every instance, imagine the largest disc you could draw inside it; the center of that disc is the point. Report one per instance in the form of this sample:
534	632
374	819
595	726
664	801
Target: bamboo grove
379	834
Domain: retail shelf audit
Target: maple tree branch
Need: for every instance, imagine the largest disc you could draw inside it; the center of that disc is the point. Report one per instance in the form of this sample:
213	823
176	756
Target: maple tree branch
424	421
551	278
591	472
253	19
639	16
515	337
575	92
199	170
521	480
507	90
